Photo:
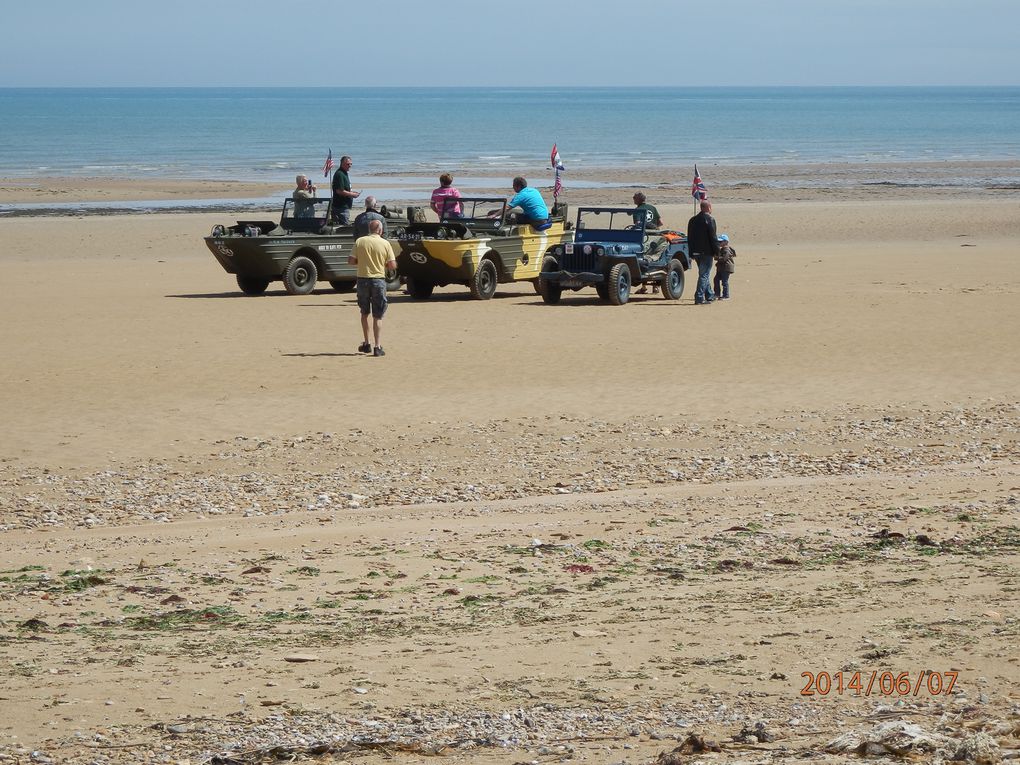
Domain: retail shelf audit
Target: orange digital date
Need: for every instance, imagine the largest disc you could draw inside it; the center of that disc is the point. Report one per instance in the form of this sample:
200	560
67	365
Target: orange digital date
876	683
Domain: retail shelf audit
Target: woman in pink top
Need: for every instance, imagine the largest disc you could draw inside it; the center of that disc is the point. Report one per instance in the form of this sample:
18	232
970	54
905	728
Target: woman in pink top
445	191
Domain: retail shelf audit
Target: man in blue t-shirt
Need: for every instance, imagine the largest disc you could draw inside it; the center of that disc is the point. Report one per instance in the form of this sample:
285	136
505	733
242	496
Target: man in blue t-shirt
531	203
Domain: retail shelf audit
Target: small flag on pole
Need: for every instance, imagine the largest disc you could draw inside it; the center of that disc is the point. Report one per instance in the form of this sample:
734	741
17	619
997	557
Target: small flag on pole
328	164
698	190
554	158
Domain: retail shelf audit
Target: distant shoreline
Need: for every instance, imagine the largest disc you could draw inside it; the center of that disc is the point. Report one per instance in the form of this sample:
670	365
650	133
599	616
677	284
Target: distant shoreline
50	196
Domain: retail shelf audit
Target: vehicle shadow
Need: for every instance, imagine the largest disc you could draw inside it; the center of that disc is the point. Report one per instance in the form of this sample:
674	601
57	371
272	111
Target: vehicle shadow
268	294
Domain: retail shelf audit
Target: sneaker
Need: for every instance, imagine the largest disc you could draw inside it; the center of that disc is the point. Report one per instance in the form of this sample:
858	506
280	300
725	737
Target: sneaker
365	348
378	351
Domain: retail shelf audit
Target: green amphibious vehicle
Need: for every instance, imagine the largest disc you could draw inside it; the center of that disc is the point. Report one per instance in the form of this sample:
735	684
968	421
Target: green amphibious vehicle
478	243
299	250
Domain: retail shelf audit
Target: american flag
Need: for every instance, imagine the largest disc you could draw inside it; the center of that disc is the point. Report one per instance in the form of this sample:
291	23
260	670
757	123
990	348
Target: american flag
328	164
558	186
698	190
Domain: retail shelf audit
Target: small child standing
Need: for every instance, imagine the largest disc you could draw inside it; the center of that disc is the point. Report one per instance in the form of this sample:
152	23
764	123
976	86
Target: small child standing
723	268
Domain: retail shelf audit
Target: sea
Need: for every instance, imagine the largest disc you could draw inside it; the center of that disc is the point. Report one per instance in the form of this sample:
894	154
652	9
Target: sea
269	134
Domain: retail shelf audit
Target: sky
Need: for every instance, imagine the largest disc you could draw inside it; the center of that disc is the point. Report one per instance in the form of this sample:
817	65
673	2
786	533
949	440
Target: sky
239	43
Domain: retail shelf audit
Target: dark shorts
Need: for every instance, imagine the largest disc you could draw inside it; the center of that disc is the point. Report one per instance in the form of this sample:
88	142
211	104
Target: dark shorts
372	297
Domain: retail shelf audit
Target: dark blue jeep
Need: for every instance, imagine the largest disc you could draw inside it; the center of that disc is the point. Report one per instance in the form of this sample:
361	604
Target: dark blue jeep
612	251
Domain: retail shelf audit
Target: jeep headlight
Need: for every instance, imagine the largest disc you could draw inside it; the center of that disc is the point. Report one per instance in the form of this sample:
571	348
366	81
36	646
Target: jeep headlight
600	251
440	233
218	230
399	232
587	249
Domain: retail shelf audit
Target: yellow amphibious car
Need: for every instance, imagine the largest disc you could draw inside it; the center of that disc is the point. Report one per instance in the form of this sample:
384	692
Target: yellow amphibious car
480	246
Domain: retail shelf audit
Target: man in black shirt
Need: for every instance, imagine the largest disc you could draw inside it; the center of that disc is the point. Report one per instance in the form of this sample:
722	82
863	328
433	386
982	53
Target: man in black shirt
703	244
343	196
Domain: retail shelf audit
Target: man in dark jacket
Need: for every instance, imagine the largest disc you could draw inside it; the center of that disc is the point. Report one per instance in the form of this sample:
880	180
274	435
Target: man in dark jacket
703	246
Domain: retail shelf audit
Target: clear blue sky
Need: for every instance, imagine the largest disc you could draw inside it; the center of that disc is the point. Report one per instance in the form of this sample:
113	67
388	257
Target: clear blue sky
467	42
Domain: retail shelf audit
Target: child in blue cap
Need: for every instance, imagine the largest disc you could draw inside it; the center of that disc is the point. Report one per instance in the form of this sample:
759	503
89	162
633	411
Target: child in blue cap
724	267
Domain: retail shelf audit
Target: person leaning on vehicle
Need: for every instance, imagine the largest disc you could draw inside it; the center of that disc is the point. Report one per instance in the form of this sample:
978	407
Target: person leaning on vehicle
304	198
371	213
644	210
703	245
533	207
372	255
655	245
343	196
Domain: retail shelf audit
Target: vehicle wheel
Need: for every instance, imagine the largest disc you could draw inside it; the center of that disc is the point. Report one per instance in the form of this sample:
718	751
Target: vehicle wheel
550	292
619	284
300	276
392	280
483	283
418	289
603	291
252	285
341	285
673	285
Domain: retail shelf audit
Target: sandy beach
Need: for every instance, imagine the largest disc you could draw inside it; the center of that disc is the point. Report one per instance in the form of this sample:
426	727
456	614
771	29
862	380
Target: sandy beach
530	533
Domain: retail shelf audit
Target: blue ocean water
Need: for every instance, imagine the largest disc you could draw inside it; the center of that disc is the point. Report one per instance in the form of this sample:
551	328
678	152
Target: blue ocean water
260	134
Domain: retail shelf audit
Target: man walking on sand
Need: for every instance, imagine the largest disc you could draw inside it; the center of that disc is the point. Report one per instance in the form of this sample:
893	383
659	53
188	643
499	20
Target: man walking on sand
704	246
372	255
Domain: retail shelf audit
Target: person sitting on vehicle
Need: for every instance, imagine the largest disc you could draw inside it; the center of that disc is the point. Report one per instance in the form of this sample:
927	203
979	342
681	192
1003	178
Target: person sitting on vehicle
304	198
446	191
371	213
529	200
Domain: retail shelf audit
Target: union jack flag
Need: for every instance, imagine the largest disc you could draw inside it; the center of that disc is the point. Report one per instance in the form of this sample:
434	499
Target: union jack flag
698	190
328	164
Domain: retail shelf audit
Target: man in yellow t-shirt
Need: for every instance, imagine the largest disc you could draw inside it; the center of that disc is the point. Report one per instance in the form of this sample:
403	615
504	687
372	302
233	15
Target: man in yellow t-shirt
373	255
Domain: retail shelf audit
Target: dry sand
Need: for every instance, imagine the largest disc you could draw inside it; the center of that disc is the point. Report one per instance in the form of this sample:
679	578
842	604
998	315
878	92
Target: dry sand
529	533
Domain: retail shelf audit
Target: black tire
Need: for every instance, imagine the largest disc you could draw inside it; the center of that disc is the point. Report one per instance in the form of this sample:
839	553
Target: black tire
483	283
300	276
619	284
419	290
252	285
603	291
341	285
551	293
392	280
672	286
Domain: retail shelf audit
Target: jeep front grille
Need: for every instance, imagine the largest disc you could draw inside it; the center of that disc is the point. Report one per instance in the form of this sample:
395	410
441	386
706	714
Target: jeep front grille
577	261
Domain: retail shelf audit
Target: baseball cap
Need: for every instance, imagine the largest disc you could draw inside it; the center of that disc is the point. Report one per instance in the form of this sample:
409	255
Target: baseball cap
724	237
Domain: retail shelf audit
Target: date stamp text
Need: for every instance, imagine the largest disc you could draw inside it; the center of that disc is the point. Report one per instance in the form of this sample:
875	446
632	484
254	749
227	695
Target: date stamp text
878	683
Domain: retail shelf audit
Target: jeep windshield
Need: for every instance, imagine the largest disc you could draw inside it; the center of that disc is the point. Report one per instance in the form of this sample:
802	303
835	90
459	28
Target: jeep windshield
473	209
609	224
305	214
